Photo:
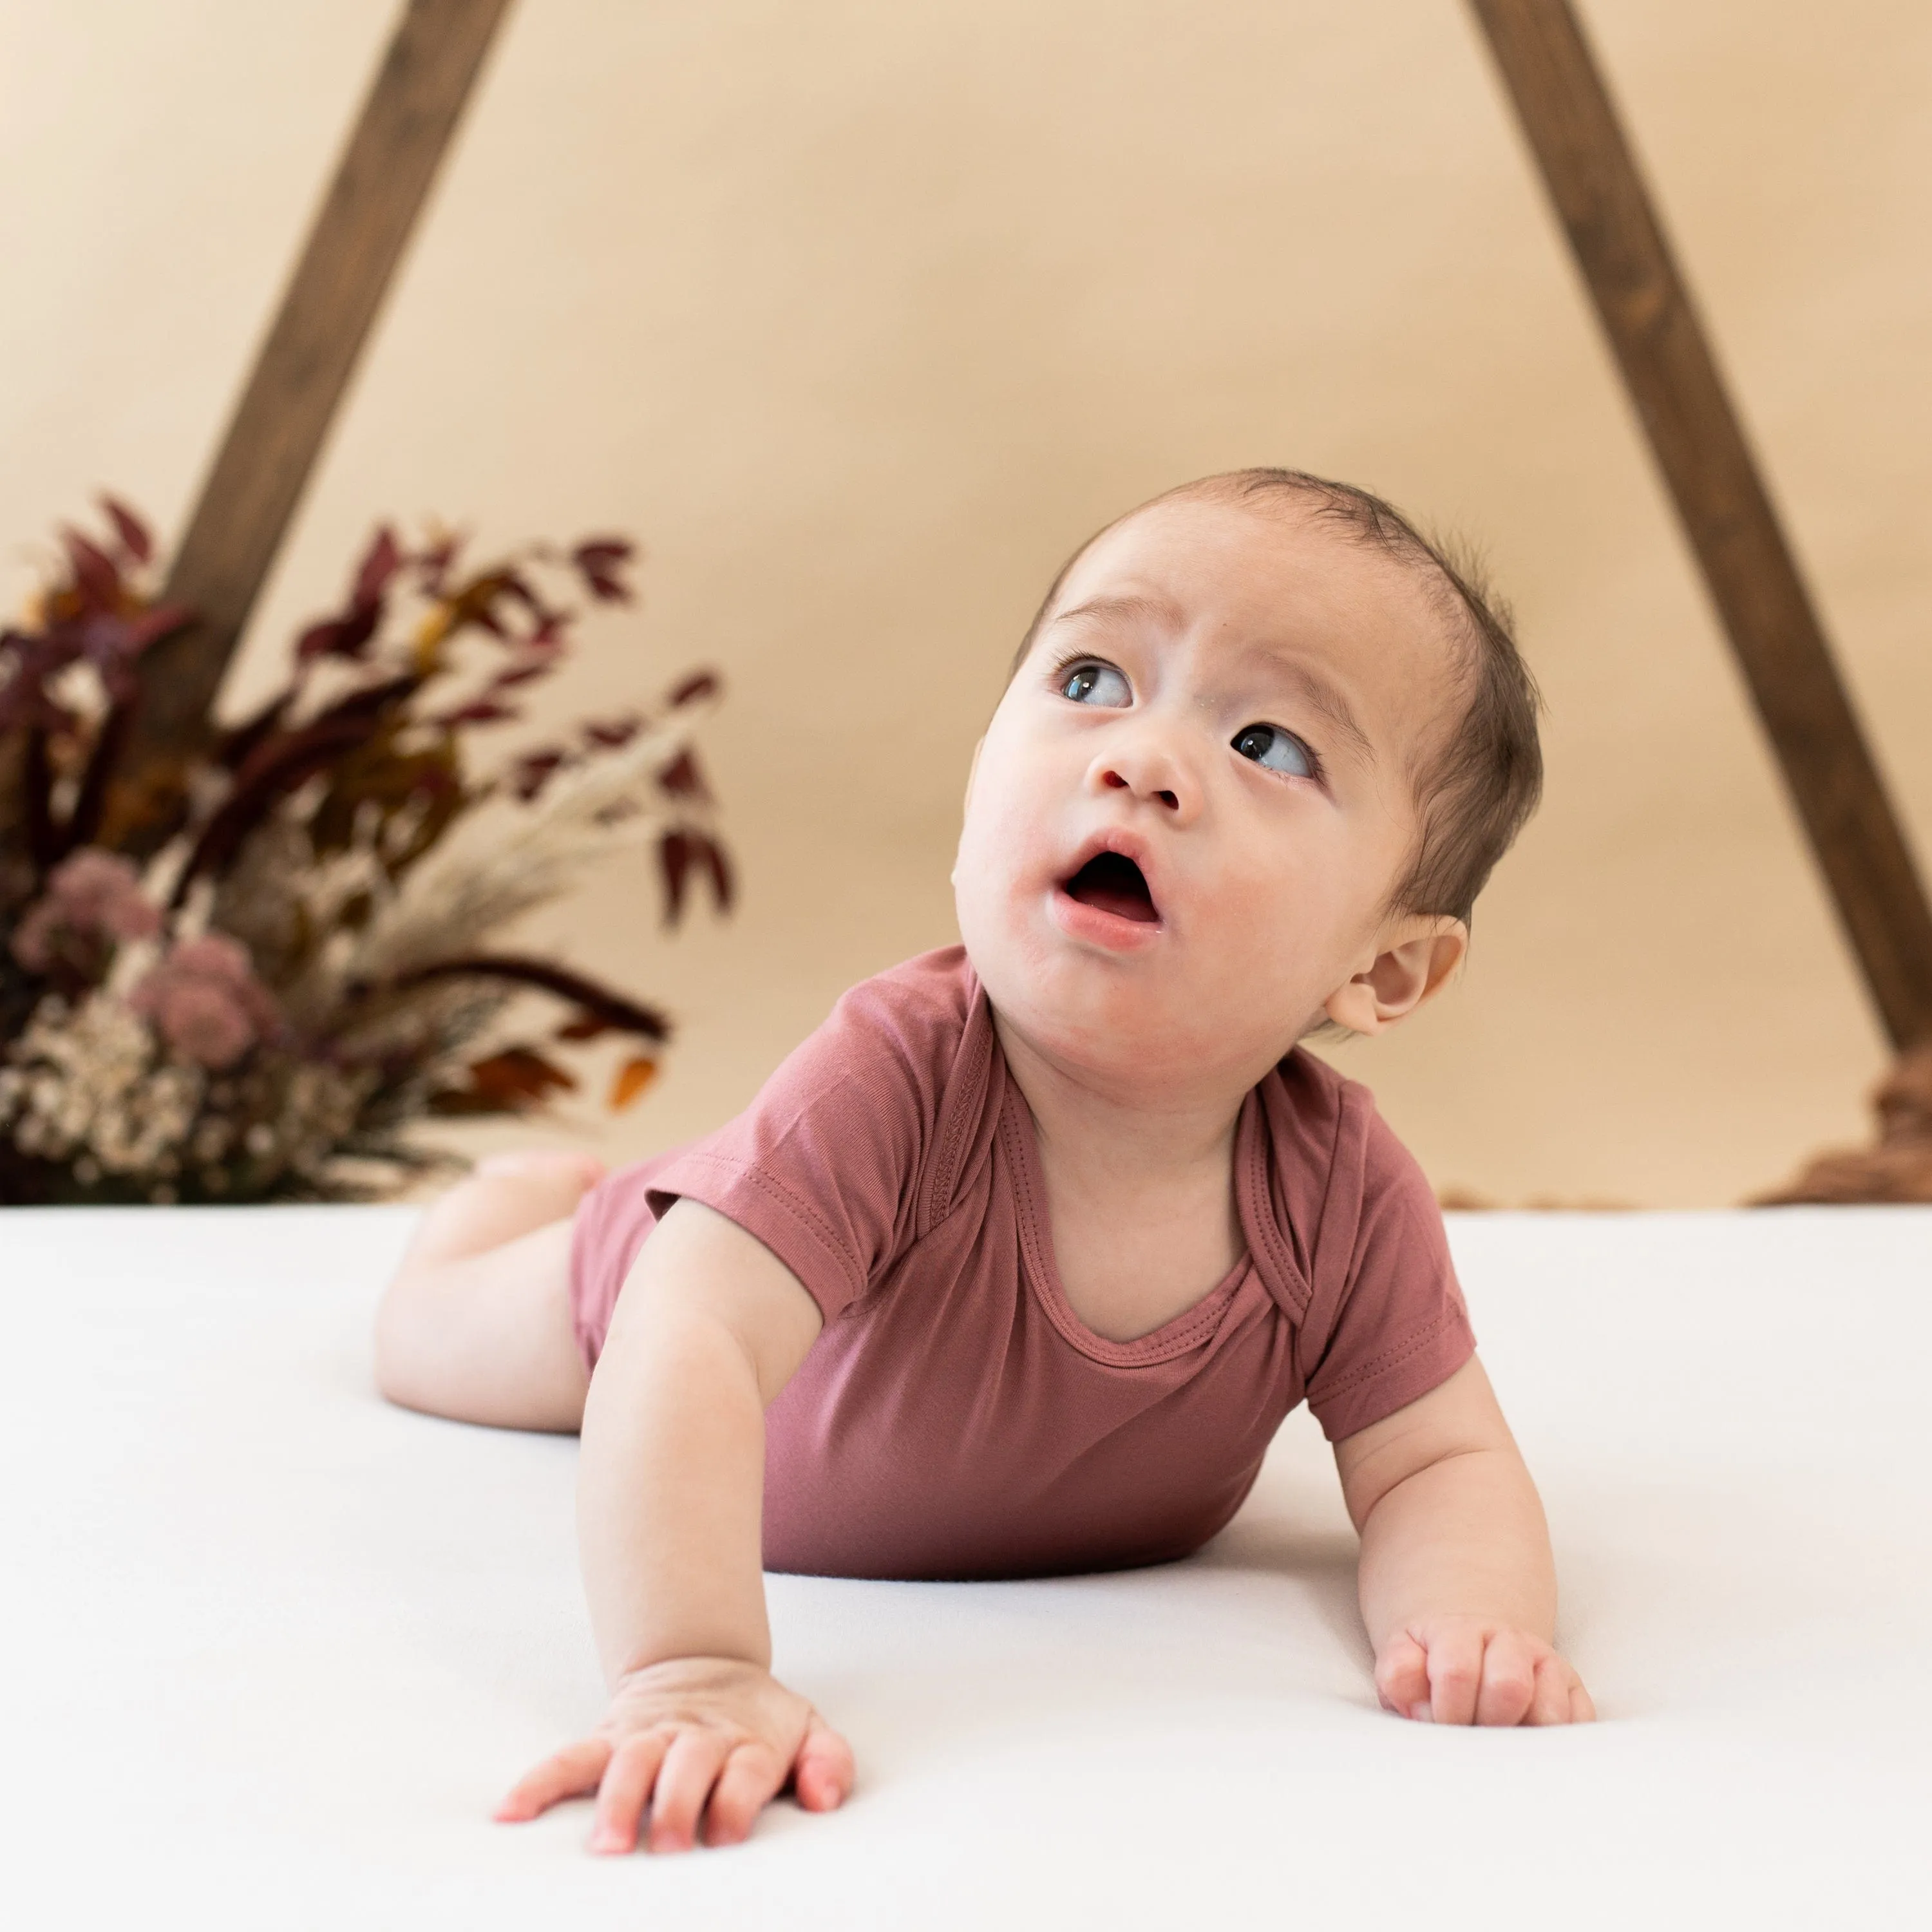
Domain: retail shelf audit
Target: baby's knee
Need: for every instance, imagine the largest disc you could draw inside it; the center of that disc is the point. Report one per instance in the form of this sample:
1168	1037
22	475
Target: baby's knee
486	1338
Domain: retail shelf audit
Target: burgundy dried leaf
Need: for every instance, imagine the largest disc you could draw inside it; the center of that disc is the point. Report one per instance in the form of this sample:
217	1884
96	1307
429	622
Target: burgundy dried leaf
238	744
476	602
533	771
599	560
462	1103
95	576
681	778
479	603
273	770
380	564
343	723
433	781
522	674
604	551
368	699
585	1026
613	1009
137	544
519	1075
610	734
347	636
318	640
703	684
719	862
224	835
479	711
25	702
676	851
519	590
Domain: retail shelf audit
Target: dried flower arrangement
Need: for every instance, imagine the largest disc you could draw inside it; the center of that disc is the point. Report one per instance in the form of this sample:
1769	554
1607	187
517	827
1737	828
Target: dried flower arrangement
247	978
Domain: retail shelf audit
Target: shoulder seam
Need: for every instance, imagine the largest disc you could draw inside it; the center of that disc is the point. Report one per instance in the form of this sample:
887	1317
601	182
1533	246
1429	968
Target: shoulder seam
801	1210
1378	1366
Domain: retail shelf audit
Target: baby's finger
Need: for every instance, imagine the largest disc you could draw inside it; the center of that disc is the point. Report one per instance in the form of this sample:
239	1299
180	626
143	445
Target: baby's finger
1402	1677
749	1782
569	1773
1455	1675
625	1790
1582	1707
1509	1679
1551	1704
822	1771
691	1768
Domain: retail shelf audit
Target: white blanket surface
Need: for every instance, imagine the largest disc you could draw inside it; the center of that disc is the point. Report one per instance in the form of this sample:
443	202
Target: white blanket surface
272	1649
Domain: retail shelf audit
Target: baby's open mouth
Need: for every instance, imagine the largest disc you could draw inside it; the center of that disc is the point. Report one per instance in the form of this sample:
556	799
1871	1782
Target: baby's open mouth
1110	882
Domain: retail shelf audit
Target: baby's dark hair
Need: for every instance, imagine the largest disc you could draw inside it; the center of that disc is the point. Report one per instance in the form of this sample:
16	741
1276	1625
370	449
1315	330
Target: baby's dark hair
1475	790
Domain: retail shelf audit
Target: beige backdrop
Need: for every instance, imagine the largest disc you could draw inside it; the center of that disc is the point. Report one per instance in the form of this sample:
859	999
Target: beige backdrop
861	314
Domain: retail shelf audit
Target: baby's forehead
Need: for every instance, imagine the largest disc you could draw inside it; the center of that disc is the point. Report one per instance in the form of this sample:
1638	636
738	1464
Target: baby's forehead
1280	582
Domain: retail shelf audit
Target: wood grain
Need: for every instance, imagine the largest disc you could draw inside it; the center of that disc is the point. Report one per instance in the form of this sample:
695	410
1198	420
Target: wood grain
1680	396
331	299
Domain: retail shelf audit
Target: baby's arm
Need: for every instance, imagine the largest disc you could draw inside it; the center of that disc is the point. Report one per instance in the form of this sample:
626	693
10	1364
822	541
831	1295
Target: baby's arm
1458	1589
709	1326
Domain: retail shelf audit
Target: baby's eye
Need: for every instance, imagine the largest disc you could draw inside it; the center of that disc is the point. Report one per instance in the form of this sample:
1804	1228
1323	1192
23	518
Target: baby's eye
1096	684
1278	750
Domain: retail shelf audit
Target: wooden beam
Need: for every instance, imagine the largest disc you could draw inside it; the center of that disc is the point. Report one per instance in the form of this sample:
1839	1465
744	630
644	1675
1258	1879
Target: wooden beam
331	299
1727	513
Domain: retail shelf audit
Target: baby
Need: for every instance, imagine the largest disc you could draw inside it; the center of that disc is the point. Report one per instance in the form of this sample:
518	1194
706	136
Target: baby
1014	1266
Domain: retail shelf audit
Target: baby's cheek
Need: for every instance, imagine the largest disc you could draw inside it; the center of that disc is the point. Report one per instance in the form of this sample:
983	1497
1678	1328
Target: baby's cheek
984	889
1005	835
1269	950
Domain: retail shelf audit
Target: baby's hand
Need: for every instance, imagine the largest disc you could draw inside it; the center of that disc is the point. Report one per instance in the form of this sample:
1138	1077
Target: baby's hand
1469	1670
683	1731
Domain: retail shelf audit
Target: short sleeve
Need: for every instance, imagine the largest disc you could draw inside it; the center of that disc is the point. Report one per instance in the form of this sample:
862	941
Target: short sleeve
1402	1328
822	1168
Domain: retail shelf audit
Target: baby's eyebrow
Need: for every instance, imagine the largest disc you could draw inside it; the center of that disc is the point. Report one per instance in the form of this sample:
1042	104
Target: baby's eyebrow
1128	604
1322	696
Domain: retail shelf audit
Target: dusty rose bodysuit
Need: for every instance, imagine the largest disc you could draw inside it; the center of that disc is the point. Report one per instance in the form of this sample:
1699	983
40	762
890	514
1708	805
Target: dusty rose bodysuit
955	1418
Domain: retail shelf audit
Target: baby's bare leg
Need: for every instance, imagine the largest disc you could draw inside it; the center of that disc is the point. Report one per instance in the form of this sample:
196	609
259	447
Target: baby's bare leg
476	1323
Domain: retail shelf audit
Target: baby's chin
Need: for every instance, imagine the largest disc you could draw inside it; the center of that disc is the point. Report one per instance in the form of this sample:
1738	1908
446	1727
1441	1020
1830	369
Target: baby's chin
1132	1024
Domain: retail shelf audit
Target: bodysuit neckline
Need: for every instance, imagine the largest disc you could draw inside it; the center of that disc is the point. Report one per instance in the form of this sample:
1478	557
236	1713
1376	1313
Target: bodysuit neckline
1193	1325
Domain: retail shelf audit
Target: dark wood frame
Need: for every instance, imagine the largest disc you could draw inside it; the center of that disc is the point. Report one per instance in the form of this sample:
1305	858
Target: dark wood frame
278	426
1726	511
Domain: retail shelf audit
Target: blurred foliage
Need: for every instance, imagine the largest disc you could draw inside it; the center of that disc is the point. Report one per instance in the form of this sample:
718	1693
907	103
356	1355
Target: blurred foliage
243	975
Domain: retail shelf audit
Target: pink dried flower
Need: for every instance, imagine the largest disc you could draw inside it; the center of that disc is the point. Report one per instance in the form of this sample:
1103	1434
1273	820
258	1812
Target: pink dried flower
91	898
205	1000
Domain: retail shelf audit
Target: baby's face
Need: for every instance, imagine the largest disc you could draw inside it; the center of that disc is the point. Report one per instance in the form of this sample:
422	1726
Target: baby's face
1195	798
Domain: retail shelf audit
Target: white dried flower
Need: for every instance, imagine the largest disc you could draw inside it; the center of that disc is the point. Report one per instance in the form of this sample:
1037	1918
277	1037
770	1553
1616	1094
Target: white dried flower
86	1082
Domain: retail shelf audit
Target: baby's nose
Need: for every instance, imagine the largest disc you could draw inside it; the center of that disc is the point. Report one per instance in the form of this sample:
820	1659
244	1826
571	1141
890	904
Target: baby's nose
1114	779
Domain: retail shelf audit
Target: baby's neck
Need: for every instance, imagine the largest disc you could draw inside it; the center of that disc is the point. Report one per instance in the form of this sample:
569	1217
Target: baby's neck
1139	1187
1136	1130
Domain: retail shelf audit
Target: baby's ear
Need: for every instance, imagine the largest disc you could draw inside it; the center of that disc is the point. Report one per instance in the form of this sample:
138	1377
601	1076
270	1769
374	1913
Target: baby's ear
1416	963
